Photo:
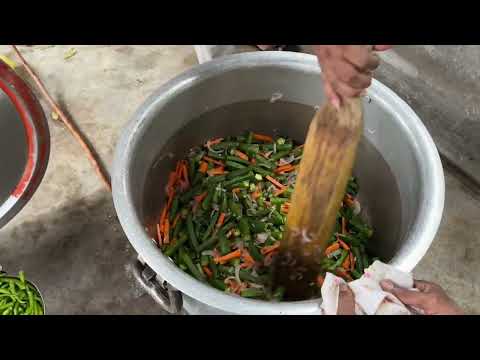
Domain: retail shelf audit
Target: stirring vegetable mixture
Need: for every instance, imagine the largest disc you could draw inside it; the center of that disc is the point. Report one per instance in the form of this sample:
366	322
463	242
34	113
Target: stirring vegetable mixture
226	211
18	297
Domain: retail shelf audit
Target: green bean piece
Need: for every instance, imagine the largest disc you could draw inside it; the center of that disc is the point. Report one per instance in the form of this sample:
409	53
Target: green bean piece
224	206
246	276
356	274
278	201
279	293
253	250
211	180
262	171
187	196
177	229
277	218
235	208
183	237
217	194
244	228
279	155
261	161
238	160
249	137
210	243
365	259
220	285
236	173
280	147
340	261
223	244
174	208
8	310
209	230
249	149
258	226
216	156
191	232
351	240
234	165
225	145
22	278
187	260
253	293
206	203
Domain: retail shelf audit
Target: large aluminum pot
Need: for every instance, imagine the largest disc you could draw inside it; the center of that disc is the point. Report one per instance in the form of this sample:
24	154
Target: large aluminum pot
398	166
24	143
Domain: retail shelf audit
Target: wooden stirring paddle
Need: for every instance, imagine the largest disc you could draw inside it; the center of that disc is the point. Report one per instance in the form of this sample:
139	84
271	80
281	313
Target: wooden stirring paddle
327	162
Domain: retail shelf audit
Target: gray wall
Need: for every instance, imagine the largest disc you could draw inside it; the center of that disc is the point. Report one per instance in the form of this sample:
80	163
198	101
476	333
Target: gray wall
442	85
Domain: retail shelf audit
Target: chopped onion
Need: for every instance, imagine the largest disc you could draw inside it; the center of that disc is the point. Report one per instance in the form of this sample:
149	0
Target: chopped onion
356	207
237	273
257	286
238	244
287	160
208	253
228	278
261	238
207	145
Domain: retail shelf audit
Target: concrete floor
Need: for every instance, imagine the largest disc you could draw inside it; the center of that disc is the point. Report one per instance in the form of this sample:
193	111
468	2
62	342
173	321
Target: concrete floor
68	239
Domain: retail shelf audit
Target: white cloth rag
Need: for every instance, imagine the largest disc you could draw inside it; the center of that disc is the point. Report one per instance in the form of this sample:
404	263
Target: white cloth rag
370	299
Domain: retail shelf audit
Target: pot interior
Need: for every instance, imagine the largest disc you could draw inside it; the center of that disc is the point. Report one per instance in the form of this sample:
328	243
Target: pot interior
379	193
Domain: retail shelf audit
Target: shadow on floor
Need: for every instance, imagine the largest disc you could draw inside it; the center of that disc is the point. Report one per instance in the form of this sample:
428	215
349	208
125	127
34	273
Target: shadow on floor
78	257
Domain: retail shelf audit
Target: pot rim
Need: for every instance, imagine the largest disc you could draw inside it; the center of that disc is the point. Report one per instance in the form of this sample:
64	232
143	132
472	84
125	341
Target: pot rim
37	138
152	255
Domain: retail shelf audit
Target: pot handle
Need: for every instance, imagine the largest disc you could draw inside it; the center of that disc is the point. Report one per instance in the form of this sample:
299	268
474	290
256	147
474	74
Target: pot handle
164	294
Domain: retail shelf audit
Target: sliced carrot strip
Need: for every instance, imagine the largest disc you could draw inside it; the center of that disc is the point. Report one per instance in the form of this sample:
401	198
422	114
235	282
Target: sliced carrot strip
343	244
241	155
285	207
199	198
221	219
280	191
284	168
166	231
185	173
214	141
256	194
233	255
216	171
332	248
159	234
236	190
275	182
213	161
208	271
269	249
162	217
352	262
172	179
175	221
203	167
261	137
346	262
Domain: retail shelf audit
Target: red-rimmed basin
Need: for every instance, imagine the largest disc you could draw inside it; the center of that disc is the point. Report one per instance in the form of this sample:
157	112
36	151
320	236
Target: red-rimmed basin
24	143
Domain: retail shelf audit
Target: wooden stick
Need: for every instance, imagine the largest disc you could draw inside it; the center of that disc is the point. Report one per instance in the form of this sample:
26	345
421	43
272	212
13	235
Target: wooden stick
104	176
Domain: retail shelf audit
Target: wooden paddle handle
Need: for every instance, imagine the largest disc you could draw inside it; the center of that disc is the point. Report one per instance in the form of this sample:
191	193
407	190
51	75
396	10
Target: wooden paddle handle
326	166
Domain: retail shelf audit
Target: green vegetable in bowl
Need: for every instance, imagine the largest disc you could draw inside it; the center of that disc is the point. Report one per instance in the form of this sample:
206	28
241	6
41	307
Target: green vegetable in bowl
18	296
